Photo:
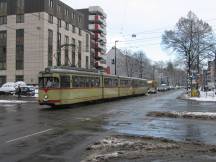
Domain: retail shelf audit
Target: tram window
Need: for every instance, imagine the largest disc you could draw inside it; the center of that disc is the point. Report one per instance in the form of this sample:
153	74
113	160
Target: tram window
86	82
75	81
82	82
48	82
135	83
111	83
115	82
129	83
97	82
106	82
65	81
124	83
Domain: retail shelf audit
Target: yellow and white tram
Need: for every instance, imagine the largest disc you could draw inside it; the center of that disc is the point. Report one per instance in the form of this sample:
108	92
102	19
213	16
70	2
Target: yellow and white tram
62	86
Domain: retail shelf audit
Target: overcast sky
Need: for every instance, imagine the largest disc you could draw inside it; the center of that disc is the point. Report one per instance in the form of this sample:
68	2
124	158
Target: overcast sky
147	19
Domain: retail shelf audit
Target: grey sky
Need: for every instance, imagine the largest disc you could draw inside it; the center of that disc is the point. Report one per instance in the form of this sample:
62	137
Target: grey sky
147	19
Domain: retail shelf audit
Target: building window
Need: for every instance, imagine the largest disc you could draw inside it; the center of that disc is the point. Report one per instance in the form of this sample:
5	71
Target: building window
3	49
87	43
51	4
50	19
3	7
20	6
87	62
73	15
50	47
79	53
66	51
80	32
3	20
19	18
59	23
59	50
58	8
73	52
19	49
19	78
2	80
66	26
79	19
73	29
66	12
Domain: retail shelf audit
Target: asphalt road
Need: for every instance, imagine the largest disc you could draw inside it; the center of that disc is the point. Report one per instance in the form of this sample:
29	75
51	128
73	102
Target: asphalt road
30	132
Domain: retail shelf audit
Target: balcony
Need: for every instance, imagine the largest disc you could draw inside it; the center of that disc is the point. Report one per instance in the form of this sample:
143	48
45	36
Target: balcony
97	19
100	38
99	46
97	10
98	55
96	27
101	65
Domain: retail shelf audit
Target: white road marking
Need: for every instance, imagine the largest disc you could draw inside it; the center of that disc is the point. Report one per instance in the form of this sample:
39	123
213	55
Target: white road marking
20	138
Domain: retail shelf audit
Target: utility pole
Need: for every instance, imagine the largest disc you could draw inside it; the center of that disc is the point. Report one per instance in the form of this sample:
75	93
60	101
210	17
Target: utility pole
215	71
115	55
153	75
58	46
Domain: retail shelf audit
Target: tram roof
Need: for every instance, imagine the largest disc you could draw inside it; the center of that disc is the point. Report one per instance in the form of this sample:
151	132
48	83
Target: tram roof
73	71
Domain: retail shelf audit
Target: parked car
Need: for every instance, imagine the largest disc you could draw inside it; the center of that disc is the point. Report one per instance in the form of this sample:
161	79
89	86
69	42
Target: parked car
8	88
152	90
27	91
20	83
163	87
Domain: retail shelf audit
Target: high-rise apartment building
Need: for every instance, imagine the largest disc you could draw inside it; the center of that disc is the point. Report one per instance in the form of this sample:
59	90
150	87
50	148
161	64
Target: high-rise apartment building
35	34
95	22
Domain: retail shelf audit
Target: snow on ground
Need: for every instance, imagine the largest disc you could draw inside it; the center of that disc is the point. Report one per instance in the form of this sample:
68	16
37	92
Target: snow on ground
119	148
13	101
184	114
204	96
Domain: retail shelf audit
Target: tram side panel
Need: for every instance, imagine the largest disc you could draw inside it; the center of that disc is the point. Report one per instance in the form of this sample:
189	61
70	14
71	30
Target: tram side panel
139	87
125	88
84	88
110	88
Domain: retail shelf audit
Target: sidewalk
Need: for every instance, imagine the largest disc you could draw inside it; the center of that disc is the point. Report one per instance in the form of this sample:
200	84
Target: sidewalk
204	96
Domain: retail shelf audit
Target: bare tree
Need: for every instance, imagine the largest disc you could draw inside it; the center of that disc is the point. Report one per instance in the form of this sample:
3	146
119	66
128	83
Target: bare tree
128	63
142	63
192	39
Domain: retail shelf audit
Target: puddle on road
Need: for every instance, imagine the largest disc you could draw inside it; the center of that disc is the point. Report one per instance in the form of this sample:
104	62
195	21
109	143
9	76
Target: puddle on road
176	129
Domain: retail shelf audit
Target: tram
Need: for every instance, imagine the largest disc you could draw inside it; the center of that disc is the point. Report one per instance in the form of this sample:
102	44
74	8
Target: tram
59	86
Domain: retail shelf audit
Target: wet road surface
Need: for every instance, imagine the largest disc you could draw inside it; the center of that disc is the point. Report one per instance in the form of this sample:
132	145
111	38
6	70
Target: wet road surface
29	132
133	120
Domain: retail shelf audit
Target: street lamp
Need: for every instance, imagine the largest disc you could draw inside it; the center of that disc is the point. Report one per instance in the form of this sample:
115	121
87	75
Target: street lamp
115	55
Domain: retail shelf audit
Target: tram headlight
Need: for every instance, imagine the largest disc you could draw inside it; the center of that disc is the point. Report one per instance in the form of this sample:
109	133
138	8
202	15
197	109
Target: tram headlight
45	97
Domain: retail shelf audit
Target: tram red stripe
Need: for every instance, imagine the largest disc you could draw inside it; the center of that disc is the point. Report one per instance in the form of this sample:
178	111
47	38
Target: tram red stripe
54	101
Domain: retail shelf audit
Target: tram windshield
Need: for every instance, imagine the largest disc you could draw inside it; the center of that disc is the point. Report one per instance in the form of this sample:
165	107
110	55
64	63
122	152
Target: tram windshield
48	82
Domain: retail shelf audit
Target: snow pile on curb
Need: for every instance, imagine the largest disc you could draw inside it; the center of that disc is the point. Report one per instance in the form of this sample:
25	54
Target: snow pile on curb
110	142
204	96
123	147
192	115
